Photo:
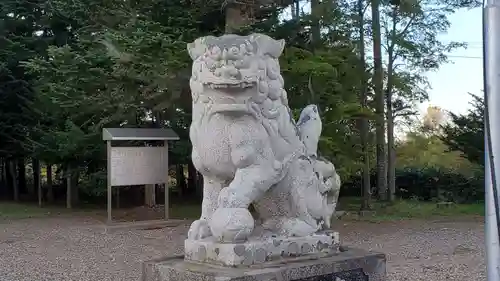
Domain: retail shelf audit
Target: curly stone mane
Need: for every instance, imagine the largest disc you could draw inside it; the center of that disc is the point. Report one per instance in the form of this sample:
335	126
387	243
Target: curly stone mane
268	103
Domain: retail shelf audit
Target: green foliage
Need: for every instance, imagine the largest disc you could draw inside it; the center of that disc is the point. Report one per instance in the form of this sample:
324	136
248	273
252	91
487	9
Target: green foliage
129	61
409	209
94	184
465	133
411	31
430	184
70	68
15	114
67	99
18	22
441	184
335	88
420	150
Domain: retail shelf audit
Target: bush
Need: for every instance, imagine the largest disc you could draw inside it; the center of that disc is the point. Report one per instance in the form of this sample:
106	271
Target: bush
428	184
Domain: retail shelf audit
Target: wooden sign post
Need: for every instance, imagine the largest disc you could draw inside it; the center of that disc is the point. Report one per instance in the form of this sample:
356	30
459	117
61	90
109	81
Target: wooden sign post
146	165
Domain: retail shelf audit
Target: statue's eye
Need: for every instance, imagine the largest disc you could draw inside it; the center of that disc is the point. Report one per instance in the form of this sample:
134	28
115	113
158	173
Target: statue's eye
215	50
234	50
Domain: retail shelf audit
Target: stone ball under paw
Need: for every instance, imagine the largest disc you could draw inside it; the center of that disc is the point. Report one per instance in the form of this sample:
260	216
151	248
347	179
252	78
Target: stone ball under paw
232	224
199	229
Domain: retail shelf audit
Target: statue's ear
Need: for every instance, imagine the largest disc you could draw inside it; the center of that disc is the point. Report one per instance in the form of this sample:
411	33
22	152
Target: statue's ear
196	48
278	48
191	50
268	45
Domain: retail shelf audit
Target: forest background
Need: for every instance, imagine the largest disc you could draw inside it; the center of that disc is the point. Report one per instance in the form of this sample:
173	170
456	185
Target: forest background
70	68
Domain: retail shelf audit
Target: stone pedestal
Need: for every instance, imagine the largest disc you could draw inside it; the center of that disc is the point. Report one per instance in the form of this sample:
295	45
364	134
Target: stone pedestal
261	249
350	265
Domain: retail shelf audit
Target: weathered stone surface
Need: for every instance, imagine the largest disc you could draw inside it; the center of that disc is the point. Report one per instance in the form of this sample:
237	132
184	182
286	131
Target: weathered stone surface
260	250
248	147
352	265
250	151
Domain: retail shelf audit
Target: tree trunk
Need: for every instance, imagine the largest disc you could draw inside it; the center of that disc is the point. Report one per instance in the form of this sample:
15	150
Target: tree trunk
363	122
50	190
13	176
3	183
296	7
238	15
117	197
199	184
21	167
378	80
150	195
68	188
192	180
180	180
315	26
8	177
391	159
37	185
71	175
2	167
159	120
391	153
75	196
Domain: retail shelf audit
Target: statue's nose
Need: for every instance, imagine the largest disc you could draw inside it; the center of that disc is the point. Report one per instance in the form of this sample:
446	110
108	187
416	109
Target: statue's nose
227	68
229	71
230	54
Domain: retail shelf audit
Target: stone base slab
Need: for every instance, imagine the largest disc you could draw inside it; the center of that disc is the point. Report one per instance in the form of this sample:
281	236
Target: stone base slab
350	265
261	249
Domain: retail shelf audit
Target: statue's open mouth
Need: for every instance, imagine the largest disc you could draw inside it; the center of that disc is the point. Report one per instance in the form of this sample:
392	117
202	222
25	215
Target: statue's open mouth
230	96
231	85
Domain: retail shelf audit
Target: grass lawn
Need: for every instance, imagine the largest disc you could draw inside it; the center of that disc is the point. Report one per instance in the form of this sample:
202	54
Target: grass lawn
9	210
409	209
399	210
185	211
13	211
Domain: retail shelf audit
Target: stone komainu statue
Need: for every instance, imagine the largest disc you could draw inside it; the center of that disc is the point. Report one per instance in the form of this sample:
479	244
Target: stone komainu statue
248	147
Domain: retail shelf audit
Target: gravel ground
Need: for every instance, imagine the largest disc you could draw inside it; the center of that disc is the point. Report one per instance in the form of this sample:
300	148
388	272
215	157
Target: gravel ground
77	249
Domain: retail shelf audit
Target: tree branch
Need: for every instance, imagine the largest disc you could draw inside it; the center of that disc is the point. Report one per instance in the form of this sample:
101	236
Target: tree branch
366	7
410	22
395	66
402	108
404	114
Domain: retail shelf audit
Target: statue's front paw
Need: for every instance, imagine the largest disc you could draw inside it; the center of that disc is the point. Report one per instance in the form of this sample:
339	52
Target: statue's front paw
297	227
199	229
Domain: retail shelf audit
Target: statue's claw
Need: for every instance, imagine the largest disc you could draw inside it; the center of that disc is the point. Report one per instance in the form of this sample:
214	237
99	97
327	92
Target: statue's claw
298	227
199	229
